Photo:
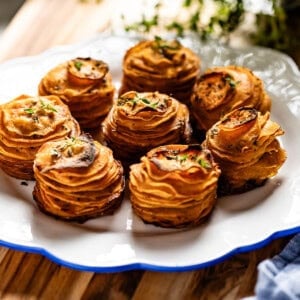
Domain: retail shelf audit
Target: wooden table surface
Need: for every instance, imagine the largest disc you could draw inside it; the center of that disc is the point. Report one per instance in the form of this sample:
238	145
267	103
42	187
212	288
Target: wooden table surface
39	25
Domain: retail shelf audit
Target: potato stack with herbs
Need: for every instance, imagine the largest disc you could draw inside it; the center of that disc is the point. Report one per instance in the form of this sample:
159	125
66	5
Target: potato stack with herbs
222	89
244	143
160	65
139	122
28	122
174	186
85	85
77	179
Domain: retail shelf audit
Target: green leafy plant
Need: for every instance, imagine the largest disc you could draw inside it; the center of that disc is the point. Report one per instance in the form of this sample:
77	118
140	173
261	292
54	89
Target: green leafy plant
227	16
271	30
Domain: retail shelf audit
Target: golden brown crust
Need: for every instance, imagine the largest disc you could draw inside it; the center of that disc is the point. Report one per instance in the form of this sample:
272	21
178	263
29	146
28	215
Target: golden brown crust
222	89
174	185
160	65
85	85
140	121
244	145
77	179
25	124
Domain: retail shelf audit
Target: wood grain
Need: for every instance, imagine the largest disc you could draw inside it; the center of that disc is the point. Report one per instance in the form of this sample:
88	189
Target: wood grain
41	24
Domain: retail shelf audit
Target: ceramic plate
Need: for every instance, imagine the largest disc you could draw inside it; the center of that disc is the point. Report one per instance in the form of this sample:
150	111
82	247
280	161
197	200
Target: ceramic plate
121	241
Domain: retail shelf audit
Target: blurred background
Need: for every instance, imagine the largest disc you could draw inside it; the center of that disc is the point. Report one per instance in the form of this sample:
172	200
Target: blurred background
238	23
8	9
269	23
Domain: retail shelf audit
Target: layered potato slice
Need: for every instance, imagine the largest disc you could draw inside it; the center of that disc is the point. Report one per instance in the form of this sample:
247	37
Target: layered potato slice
27	122
138	122
174	185
77	179
222	89
160	65
85	85
244	144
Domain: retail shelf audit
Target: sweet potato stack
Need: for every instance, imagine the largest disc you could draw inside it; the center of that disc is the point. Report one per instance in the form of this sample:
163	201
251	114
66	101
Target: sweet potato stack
222	89
26	123
138	122
244	144
85	85
174	185
77	179
160	65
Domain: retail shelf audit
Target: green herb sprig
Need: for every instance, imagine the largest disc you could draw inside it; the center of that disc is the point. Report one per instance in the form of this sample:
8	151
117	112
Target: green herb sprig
34	111
182	158
271	30
29	111
47	106
228	16
78	65
134	101
204	163
230	81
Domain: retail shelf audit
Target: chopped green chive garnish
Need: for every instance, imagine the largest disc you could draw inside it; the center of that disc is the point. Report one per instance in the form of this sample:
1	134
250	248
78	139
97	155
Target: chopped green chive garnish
183	158
189	156
154	105
146	101
29	110
230	81
134	101
47	106
70	142
204	163
78	65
